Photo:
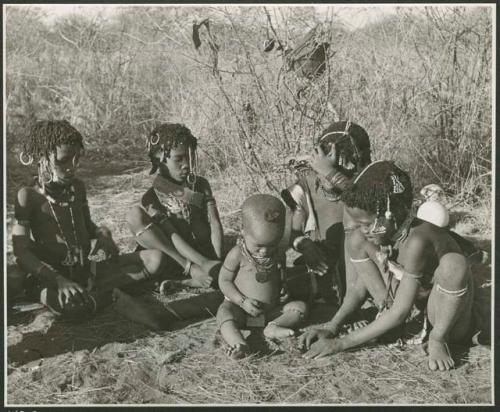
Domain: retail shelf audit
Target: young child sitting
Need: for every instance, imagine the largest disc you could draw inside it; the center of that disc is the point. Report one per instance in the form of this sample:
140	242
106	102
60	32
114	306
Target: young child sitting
178	215
53	231
426	263
251	280
318	221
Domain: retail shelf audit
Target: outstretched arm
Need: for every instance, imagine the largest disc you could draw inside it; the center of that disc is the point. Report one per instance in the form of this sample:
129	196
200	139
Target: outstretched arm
103	235
413	261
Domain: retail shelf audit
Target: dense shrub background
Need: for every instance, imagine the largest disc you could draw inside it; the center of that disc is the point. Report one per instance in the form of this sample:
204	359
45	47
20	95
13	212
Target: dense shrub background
419	81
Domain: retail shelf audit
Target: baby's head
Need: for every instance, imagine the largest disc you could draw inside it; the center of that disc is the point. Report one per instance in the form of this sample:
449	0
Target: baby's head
351	143
172	150
263	219
56	146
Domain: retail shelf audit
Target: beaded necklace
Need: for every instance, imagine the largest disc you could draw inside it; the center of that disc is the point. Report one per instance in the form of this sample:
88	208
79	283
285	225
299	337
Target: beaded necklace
74	253
264	265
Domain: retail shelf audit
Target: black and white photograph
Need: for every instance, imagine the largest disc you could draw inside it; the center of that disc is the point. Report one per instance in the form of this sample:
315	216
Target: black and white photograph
248	204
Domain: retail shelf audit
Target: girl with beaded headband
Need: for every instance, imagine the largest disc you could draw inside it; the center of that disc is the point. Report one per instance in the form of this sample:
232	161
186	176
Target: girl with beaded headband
178	215
53	231
341	151
426	268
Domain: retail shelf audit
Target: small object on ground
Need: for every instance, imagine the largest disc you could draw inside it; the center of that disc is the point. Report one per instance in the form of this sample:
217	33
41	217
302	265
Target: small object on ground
165	286
434	212
238	351
27	307
269	45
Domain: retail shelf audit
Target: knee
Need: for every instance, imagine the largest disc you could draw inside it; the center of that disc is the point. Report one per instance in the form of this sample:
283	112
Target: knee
136	218
154	261
296	306
453	271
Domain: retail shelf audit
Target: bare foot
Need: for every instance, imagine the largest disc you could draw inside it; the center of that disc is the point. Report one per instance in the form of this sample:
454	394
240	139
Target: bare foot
439	356
211	267
199	277
273	331
133	310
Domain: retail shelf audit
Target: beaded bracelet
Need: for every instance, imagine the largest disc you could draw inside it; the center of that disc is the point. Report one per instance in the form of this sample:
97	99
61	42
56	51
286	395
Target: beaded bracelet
242	301
297	241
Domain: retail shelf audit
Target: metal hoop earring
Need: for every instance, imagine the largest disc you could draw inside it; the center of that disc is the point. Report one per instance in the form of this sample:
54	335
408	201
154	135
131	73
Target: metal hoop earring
191	178
28	162
157	139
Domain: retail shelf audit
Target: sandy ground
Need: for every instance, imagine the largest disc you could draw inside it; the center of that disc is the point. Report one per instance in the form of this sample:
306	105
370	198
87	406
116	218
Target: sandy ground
111	360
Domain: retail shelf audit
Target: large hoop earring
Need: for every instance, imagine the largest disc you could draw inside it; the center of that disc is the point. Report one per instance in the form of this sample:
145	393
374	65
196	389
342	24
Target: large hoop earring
28	162
157	139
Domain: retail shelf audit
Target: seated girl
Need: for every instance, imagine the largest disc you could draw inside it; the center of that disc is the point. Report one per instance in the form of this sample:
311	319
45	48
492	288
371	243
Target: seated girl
178	215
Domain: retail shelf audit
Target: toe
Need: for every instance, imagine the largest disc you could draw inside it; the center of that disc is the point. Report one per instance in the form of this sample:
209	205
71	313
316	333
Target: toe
442	366
432	365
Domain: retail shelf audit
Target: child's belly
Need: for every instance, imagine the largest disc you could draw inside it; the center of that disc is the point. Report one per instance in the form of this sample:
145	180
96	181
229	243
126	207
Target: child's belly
267	293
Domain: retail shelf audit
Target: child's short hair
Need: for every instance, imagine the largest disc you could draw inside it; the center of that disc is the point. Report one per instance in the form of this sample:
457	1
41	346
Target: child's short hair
350	140
46	135
263	208
379	185
167	136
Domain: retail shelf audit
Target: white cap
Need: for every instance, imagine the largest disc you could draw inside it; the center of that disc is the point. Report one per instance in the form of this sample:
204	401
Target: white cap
434	212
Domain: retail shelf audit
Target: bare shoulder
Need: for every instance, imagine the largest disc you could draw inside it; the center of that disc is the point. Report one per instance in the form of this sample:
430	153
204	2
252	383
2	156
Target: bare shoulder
233	258
416	251
25	194
147	197
418	240
356	243
202	184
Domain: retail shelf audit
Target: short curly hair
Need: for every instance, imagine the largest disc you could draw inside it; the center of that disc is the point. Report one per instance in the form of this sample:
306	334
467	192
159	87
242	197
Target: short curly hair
167	136
46	135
